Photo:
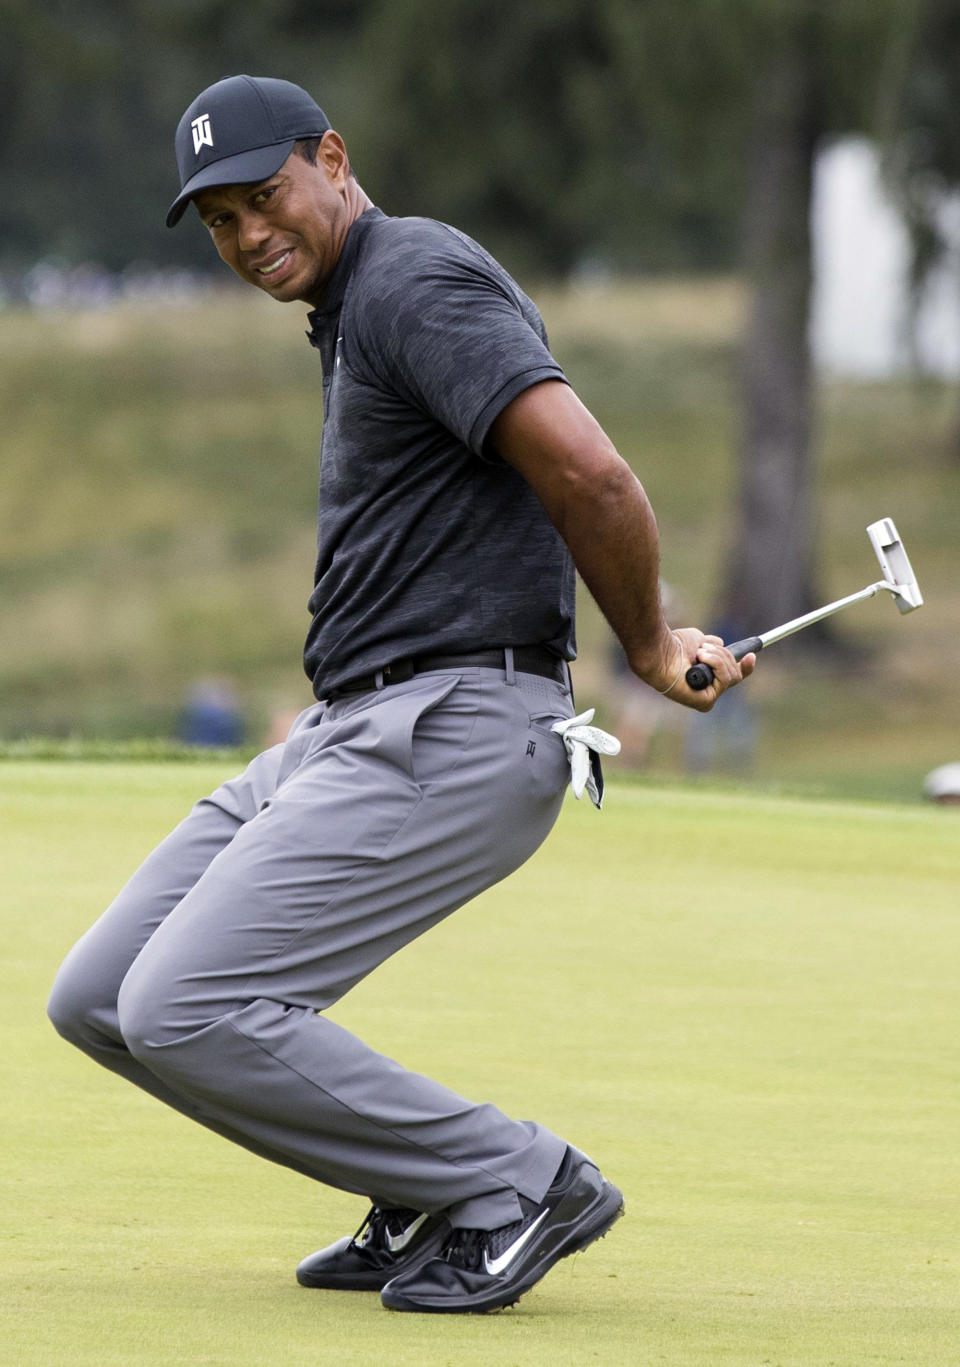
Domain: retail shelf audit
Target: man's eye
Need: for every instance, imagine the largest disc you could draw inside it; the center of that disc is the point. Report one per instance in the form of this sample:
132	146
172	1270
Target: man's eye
262	195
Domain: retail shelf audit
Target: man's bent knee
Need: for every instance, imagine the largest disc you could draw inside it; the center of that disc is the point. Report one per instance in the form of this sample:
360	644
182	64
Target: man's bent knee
83	1012
146	1014
67	1011
162	1028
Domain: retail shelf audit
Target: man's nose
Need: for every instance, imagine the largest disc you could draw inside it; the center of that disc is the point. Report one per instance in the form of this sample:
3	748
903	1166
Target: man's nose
252	230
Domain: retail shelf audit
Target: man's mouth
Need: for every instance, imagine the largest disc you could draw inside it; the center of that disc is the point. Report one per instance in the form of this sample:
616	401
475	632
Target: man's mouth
273	267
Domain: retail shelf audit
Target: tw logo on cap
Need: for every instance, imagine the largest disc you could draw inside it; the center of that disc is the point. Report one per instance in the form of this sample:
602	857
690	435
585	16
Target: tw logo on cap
202	134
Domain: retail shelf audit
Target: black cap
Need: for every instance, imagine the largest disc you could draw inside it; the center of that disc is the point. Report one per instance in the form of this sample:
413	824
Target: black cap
241	131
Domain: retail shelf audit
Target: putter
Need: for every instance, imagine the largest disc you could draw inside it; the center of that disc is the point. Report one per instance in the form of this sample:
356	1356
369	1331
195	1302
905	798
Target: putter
898	580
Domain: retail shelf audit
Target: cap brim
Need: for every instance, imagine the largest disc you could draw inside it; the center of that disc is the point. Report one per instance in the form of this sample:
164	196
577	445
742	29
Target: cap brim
246	168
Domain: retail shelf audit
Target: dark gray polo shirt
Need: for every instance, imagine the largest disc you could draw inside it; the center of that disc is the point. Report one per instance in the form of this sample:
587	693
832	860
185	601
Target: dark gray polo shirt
427	542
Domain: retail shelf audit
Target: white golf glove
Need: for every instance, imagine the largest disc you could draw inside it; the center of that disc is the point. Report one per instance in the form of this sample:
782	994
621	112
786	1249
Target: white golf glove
585	744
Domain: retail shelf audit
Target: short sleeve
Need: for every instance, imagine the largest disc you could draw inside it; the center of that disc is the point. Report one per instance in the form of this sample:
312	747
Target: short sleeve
449	331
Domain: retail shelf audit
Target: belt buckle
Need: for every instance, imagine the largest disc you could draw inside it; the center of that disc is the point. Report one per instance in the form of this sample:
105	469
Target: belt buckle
399	671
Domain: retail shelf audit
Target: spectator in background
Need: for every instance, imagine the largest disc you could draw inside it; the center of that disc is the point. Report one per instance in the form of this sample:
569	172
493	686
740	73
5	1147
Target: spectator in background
726	739
212	715
639	712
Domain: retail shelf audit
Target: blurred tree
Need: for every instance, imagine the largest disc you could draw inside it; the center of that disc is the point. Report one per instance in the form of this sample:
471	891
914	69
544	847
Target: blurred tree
770	570
814	68
922	135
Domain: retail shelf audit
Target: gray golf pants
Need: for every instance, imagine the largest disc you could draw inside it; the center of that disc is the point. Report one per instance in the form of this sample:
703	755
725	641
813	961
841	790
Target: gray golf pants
203	982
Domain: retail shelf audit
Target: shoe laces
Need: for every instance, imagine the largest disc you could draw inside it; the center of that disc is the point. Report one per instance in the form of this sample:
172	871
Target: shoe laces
378	1223
465	1247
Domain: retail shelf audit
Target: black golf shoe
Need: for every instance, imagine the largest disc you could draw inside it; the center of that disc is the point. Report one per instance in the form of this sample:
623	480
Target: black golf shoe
477	1270
387	1243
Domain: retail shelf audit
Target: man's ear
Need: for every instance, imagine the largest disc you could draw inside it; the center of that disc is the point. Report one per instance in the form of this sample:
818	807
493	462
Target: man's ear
332	158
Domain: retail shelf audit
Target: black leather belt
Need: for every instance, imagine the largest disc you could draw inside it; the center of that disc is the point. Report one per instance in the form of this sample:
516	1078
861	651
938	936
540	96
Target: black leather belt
526	660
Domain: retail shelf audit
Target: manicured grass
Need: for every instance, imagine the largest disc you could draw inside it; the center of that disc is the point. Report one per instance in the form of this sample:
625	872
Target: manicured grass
744	1007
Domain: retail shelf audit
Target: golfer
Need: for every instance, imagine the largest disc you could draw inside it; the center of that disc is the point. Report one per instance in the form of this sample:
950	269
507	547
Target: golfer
460	482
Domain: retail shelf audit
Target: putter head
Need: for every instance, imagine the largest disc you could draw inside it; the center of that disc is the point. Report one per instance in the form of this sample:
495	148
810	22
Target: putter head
897	570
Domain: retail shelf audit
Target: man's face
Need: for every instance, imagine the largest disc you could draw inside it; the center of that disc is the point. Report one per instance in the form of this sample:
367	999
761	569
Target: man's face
284	234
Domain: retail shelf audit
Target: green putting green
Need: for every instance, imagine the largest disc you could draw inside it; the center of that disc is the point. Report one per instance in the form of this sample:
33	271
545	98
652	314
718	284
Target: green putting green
744	1007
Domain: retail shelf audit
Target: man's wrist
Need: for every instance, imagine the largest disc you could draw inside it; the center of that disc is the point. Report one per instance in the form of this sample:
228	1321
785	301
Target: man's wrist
657	657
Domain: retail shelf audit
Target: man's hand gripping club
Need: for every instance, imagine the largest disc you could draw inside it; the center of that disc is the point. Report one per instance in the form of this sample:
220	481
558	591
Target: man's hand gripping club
681	648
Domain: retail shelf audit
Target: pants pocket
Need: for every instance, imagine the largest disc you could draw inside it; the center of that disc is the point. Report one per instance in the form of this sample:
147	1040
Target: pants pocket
421	726
443	730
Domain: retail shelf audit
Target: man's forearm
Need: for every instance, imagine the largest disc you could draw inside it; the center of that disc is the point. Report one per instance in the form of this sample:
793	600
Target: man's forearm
611	531
599	508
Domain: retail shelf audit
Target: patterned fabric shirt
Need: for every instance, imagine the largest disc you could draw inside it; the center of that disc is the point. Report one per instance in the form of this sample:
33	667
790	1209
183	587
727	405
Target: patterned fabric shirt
427	541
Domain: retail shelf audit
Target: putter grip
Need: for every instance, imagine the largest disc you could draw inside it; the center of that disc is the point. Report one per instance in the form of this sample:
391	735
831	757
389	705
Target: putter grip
700	676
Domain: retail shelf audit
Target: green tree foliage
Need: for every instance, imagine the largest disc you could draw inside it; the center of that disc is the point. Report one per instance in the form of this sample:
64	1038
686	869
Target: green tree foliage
555	132
91	96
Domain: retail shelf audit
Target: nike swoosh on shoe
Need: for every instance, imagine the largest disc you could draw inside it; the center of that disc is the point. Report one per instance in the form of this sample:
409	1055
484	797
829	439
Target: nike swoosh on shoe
396	1243
496	1265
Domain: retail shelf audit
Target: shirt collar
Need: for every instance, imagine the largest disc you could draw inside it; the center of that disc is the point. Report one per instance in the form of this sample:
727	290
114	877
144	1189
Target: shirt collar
337	284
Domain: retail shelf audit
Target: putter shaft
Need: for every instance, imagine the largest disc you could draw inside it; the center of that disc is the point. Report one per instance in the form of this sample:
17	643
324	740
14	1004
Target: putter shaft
700	675
767	638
